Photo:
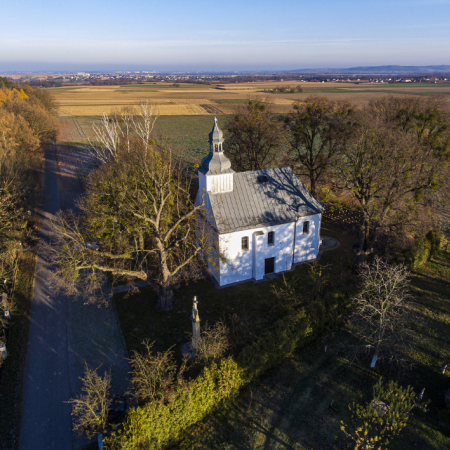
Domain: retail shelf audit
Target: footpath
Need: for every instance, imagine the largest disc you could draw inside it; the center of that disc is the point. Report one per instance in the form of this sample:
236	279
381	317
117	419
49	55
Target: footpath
65	333
46	422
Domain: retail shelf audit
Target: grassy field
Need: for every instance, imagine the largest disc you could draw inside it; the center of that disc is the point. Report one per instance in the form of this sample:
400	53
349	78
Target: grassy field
204	99
189	134
186	112
300	404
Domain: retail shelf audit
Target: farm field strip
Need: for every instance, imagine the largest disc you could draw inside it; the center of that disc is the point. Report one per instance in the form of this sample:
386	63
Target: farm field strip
190	100
163	110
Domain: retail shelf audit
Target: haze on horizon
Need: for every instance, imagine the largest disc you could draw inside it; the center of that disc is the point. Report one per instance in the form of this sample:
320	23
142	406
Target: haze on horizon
203	35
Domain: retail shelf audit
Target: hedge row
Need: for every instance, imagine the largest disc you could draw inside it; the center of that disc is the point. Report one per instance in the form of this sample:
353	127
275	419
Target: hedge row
157	424
424	249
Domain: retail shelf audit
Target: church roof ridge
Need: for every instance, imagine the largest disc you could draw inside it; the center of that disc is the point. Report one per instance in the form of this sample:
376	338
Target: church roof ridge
281	198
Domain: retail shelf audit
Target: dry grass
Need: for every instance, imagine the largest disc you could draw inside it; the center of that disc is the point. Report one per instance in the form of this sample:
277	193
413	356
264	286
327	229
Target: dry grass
191	99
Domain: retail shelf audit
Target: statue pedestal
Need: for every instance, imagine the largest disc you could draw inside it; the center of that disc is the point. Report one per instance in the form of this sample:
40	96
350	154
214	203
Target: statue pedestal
187	351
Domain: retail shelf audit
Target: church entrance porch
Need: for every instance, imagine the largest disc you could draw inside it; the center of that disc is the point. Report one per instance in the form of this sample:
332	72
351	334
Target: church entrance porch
269	265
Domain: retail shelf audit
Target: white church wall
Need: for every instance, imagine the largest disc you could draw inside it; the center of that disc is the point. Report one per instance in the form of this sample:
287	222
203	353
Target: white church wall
307	245
219	183
243	265
201	188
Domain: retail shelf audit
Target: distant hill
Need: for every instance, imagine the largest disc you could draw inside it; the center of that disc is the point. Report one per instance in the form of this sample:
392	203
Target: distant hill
378	70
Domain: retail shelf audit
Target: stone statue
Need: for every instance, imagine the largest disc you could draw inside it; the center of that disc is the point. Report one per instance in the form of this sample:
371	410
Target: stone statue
195	324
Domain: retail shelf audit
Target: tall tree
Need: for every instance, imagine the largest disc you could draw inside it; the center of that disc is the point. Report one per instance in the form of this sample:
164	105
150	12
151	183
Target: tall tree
388	169
382	313
139	212
254	137
316	130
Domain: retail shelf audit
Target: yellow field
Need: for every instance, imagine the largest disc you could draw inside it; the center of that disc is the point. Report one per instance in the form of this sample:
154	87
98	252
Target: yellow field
201	100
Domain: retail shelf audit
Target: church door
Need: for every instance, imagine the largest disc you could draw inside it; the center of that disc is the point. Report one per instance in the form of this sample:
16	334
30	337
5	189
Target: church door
269	265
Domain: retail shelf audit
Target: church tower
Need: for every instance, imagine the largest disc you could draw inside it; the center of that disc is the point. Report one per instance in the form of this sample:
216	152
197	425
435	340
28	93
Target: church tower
215	173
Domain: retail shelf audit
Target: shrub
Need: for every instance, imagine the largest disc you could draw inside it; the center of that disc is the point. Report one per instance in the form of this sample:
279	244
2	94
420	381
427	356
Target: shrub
424	249
374	424
158	423
90	410
444	416
436	240
419	254
213	344
154	374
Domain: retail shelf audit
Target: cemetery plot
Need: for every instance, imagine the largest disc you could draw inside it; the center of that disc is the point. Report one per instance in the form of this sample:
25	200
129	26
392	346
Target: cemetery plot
300	404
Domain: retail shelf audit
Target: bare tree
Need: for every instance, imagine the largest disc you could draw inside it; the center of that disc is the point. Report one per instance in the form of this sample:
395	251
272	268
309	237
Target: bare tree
90	410
155	375
108	137
144	122
316	131
388	170
254	137
382	311
139	212
122	128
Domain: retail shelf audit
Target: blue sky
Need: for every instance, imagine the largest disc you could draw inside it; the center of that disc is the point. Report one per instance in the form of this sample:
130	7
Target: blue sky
232	35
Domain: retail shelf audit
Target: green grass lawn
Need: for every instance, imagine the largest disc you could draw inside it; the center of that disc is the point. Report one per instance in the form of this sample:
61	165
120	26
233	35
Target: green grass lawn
394	88
189	133
300	404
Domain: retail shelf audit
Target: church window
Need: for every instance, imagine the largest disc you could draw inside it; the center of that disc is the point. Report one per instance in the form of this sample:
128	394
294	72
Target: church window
306	227
216	147
262	179
244	243
271	238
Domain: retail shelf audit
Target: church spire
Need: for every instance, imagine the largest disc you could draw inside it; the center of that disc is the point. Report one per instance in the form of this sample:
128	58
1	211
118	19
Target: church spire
215	138
216	162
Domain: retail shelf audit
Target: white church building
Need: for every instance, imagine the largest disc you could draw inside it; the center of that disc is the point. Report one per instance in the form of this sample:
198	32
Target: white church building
262	222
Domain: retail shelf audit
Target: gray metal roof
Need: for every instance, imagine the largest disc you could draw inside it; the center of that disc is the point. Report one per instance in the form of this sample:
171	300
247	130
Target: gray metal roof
216	134
216	162
283	198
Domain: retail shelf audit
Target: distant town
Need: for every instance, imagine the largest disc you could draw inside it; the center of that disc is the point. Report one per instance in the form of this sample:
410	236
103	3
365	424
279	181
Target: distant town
58	79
